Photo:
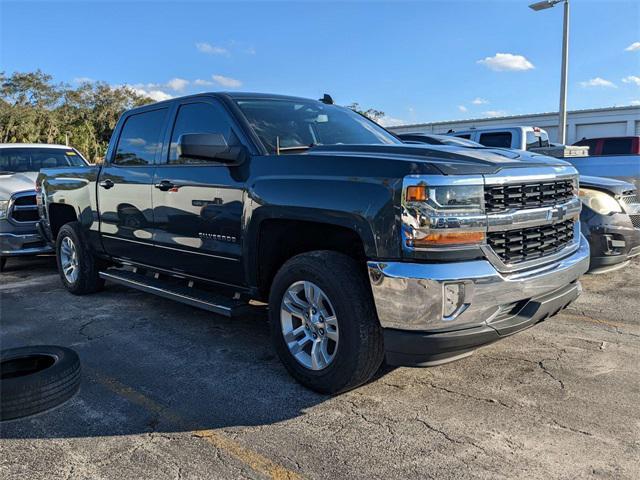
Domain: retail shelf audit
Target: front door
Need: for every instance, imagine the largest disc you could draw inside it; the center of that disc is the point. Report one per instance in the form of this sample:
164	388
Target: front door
198	204
125	184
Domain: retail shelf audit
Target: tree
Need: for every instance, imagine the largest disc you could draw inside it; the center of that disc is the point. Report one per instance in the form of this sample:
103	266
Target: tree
371	113
34	109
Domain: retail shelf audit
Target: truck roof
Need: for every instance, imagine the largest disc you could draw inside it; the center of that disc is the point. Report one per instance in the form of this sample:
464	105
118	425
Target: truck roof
228	95
33	145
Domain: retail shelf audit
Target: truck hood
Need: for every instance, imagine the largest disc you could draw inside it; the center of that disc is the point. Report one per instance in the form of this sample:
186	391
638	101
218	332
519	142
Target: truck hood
611	185
449	159
16	182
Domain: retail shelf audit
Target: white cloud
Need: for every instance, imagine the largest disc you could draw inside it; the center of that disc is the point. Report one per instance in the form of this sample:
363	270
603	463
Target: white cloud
635	103
203	83
598	82
177	84
210	49
387	121
495	113
157	95
632	79
462	108
506	62
633	47
479	101
226	81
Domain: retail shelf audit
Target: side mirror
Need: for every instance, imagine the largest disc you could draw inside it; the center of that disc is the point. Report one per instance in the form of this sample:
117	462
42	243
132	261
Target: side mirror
210	146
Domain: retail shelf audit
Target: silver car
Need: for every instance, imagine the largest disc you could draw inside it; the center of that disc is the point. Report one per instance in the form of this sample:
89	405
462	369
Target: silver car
19	167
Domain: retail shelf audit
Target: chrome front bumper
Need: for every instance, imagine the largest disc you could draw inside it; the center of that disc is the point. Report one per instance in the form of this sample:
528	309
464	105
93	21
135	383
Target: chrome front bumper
14	244
409	296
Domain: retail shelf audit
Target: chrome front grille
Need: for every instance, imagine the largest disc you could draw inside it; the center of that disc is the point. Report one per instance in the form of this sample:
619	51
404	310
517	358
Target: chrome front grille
527	195
631	205
521	245
23	208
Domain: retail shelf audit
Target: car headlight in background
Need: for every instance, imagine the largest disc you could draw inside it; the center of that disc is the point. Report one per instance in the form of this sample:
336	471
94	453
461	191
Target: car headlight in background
443	215
4	207
600	202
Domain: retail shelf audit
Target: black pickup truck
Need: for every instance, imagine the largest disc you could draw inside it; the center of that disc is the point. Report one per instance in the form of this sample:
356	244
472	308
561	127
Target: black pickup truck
363	247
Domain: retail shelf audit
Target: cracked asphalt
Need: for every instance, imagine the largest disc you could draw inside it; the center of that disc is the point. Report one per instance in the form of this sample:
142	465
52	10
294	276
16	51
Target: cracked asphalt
169	391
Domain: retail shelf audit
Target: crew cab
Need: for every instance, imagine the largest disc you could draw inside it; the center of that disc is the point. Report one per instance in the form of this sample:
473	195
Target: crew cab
19	167
364	248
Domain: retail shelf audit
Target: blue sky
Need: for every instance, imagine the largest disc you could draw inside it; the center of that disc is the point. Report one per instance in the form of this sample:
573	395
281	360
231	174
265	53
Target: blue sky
416	61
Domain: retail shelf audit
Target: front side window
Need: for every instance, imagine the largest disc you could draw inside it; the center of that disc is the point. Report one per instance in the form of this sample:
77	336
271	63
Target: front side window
496	139
141	138
199	118
617	146
294	125
19	160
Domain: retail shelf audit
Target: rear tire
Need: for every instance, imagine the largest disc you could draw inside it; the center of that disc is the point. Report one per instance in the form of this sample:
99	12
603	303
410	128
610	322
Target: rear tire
346	299
3	263
77	266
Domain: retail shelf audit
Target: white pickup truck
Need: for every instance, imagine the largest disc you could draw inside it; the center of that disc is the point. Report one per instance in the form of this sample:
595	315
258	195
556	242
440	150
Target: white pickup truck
516	137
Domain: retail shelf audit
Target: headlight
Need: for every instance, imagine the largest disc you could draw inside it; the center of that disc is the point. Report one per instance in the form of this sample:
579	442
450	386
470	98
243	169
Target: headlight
443	215
4	207
600	202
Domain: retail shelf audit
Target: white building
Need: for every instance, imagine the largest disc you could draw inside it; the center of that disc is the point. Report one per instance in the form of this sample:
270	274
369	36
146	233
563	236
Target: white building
598	122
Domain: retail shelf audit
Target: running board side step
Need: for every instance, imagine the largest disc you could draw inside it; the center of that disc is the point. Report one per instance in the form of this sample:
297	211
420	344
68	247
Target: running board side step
216	303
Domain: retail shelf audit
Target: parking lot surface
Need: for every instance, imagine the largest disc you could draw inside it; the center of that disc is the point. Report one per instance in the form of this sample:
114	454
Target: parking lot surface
169	391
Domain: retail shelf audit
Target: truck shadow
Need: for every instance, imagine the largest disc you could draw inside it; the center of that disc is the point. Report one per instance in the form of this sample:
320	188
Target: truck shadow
151	365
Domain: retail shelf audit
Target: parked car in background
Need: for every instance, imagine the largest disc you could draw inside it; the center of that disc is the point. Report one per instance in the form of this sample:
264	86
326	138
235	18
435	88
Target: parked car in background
433	139
610	220
19	167
516	137
612	157
610	217
611	145
362	246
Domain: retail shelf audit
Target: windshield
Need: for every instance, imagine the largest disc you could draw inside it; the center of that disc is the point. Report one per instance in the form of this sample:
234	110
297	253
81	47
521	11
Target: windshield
290	125
19	160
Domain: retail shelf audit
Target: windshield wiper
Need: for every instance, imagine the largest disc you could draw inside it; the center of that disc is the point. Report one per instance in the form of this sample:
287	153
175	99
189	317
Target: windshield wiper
280	149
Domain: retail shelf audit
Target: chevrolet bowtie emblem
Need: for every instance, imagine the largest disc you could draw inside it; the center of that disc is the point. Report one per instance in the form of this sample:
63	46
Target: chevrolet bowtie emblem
556	213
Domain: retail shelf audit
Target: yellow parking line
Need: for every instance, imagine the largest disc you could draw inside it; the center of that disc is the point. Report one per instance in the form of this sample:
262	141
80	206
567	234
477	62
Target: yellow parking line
254	460
591	320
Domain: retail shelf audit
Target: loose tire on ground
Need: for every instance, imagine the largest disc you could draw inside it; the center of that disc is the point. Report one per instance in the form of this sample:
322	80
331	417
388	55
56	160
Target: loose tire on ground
71	238
359	351
35	379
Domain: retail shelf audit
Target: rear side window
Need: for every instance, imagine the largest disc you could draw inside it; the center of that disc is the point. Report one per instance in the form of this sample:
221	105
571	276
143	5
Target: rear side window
617	146
141	138
464	135
199	118
496	139
535	141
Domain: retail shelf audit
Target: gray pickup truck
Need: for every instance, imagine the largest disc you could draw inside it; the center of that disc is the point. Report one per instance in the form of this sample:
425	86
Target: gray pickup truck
19	167
363	247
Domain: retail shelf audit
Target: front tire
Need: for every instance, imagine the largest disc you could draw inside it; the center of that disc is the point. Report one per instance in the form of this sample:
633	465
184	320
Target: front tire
324	325
76	264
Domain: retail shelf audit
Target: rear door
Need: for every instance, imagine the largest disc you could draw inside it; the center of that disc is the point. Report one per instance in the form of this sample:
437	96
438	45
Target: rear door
198	204
125	184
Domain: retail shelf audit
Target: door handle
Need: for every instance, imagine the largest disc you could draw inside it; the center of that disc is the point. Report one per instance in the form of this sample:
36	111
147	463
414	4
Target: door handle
164	185
106	184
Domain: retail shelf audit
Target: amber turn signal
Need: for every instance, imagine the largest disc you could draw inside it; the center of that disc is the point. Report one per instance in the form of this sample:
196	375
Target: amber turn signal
449	238
416	193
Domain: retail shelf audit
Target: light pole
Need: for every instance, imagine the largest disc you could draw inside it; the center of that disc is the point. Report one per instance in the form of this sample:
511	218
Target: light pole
562	125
